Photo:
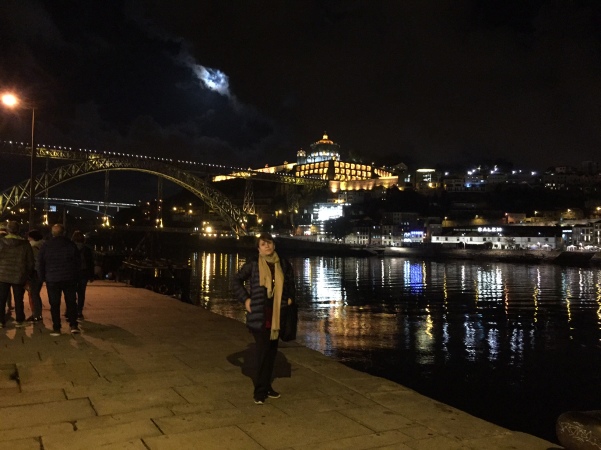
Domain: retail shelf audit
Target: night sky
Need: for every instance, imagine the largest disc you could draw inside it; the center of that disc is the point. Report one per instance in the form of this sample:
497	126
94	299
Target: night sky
250	82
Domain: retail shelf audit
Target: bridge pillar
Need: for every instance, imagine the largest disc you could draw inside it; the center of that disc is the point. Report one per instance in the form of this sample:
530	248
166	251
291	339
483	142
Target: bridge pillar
249	198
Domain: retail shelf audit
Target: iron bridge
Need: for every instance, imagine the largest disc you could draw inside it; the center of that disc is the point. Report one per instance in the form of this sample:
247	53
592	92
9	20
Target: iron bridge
183	173
217	201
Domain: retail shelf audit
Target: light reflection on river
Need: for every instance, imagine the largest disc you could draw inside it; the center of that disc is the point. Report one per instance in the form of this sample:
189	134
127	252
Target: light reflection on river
514	344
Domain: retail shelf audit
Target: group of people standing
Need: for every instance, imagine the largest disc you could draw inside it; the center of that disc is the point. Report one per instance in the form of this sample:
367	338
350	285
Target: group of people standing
65	265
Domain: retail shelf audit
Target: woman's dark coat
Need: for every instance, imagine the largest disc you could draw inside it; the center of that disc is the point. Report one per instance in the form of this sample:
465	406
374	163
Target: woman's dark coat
255	319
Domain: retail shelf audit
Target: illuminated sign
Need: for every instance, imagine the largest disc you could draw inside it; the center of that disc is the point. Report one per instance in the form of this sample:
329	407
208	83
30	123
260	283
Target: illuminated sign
328	211
490	229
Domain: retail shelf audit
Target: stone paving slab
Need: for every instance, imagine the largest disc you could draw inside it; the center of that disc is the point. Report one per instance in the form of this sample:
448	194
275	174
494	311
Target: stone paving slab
14	397
123	418
99	437
217	418
56	376
21	444
378	418
231	438
33	432
45	413
150	372
125	402
279	432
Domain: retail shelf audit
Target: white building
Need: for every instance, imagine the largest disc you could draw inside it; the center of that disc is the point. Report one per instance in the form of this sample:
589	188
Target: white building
505	237
587	234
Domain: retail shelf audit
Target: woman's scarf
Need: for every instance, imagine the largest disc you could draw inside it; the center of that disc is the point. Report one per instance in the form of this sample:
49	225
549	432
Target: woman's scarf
274	283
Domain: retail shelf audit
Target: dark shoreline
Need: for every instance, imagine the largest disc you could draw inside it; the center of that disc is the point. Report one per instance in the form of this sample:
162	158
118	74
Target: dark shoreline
435	253
174	245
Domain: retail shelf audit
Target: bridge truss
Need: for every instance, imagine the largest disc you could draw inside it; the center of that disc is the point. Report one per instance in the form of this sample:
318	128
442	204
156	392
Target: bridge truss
218	171
222	205
183	173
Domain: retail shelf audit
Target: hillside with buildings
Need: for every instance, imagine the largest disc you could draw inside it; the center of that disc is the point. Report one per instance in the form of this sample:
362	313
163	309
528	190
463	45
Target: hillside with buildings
487	206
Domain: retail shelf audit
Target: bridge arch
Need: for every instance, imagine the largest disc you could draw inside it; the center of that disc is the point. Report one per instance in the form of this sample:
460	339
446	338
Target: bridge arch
216	200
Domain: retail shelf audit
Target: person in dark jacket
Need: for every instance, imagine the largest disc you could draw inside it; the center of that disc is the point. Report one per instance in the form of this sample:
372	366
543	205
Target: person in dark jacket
86	270
270	290
9	306
16	266
58	266
35	285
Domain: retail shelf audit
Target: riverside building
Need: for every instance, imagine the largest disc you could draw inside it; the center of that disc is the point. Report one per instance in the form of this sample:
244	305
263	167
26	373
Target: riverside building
500	237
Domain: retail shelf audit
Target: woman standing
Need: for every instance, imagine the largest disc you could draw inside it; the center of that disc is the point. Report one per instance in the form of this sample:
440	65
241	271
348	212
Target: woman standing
270	290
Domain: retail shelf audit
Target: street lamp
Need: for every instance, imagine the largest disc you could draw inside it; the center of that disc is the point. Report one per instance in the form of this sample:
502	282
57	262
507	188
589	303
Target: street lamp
12	101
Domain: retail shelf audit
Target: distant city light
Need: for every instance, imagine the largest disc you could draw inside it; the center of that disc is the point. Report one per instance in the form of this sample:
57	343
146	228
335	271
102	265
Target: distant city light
328	211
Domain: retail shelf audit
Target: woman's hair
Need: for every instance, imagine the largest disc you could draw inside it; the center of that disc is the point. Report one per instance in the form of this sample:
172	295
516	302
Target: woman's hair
36	235
78	237
264	237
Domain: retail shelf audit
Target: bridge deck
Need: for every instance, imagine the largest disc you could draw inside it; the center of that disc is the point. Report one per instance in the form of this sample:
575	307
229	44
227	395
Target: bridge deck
195	167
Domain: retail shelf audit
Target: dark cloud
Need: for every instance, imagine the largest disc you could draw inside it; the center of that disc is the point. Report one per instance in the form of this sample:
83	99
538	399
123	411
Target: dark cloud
430	82
517	79
103	78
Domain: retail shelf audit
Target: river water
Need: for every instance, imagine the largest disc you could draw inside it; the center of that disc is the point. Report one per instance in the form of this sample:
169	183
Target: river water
514	344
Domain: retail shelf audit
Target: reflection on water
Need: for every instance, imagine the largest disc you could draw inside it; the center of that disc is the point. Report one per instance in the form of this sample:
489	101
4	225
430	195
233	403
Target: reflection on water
514	344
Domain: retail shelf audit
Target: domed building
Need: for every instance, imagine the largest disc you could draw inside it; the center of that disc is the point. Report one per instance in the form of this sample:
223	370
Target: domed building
324	162
324	150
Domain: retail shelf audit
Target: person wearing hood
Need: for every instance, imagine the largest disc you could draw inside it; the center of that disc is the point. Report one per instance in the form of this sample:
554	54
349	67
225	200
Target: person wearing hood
58	266
16	266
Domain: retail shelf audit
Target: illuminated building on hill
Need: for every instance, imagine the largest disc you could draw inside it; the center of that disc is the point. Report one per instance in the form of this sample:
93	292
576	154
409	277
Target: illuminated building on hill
324	162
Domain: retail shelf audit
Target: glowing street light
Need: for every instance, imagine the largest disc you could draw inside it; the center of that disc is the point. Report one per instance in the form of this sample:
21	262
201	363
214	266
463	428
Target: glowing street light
9	100
12	101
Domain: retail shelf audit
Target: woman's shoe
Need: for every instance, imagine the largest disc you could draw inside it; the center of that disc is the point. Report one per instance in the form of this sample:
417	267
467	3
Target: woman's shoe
273	394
